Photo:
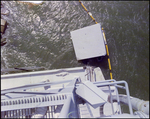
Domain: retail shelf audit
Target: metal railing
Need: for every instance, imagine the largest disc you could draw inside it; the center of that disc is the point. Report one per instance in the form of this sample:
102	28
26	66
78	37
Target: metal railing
25	107
114	83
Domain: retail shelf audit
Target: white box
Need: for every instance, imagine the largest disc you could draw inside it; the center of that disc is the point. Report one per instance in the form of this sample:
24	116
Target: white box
88	42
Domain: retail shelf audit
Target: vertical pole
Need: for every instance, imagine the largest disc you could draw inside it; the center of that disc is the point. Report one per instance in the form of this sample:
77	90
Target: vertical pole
65	109
128	97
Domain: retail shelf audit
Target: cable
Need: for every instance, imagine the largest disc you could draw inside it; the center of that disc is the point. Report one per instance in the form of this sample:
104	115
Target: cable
90	14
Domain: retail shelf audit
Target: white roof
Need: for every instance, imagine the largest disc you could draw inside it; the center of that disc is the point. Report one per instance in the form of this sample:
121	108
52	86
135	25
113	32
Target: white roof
88	42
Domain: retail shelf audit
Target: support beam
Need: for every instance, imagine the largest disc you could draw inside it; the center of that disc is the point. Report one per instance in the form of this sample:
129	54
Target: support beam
66	107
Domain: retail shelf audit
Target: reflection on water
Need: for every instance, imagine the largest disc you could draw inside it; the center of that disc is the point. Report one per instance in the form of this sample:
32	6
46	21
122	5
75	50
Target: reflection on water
40	36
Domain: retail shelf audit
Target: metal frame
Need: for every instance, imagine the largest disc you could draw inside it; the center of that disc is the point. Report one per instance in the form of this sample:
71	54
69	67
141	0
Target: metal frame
115	83
64	97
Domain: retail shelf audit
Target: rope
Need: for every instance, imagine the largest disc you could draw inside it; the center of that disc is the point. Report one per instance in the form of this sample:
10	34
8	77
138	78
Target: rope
90	14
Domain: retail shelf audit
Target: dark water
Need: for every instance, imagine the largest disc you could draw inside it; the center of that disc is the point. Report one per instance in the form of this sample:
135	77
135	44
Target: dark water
40	36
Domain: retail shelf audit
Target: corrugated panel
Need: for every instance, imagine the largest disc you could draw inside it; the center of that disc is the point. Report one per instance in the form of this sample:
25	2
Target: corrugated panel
26	107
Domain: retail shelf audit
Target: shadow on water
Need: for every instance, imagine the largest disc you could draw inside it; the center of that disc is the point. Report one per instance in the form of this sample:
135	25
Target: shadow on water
96	62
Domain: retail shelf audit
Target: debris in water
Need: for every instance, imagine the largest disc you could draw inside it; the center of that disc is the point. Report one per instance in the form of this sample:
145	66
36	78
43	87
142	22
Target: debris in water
3	25
31	3
3	41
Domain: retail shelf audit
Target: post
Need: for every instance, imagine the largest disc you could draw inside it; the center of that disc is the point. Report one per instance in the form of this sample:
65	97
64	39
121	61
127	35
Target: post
66	107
